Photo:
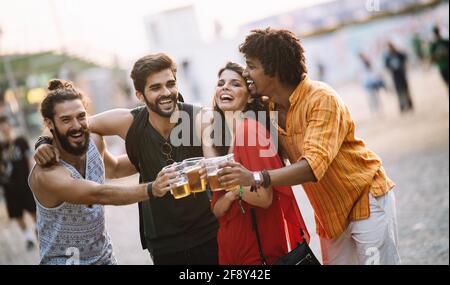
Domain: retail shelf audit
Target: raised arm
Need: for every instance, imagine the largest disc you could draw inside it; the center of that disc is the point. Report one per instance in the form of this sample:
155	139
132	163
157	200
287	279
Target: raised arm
112	122
224	203
109	123
59	185
115	167
118	167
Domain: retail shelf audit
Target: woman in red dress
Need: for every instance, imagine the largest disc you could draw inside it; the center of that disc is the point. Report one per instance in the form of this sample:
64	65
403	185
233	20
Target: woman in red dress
278	217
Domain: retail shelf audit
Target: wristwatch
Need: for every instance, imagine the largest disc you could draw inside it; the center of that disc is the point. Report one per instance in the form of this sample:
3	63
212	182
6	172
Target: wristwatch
257	177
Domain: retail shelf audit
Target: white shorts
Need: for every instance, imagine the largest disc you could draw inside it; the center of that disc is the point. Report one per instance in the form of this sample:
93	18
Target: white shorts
372	241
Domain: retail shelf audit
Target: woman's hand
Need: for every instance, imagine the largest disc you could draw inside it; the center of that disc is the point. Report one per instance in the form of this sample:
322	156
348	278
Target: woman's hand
232	195
233	173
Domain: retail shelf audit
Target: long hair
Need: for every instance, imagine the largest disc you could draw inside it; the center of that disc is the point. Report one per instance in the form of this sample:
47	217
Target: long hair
255	105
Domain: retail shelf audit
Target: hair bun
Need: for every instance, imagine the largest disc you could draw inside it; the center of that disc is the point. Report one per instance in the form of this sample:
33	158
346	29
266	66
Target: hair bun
54	84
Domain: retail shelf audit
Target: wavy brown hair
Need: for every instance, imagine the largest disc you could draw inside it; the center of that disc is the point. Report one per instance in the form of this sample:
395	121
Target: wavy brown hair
151	64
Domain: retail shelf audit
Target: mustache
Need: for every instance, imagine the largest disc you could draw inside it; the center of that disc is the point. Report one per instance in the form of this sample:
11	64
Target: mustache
72	132
172	97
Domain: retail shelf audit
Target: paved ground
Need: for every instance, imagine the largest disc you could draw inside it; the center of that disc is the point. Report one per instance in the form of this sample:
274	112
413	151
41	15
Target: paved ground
415	154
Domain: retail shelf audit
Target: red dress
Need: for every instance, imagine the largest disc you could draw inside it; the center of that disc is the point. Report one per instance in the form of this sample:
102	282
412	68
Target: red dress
277	225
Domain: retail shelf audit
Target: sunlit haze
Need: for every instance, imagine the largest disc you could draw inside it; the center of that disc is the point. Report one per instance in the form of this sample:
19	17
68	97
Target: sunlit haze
104	27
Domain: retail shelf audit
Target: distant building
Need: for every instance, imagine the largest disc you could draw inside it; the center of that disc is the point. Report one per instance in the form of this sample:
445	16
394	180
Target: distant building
333	33
177	33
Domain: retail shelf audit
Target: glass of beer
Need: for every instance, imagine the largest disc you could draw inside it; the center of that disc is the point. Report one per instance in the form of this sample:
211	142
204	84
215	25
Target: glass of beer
212	167
192	167
230	158
179	186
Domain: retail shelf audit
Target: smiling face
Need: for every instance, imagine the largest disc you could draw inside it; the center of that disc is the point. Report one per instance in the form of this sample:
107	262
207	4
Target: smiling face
231	92
258	82
70	126
160	93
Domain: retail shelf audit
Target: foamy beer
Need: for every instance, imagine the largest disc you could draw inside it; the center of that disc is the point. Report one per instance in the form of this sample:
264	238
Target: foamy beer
230	158
212	167
192	167
179	187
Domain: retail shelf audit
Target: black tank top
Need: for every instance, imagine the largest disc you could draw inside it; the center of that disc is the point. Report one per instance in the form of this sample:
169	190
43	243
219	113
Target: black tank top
168	225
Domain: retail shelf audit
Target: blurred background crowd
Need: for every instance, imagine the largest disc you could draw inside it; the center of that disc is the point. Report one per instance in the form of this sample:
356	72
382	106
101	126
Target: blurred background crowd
384	57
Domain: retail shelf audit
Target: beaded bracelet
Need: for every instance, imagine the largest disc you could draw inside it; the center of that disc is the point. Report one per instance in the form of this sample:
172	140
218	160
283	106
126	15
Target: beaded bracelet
241	193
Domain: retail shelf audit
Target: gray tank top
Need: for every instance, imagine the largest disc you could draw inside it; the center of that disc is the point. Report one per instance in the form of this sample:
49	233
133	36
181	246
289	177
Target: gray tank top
75	234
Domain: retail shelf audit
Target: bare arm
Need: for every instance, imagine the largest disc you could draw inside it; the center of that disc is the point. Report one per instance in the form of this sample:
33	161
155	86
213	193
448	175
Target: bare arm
297	173
109	123
294	174
261	198
117	167
57	183
236	175
112	122
224	203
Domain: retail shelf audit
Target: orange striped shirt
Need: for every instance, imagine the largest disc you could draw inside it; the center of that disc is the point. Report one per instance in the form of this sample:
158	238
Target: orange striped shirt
319	128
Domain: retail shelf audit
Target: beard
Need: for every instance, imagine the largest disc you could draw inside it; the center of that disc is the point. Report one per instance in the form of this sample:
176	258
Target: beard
155	107
80	147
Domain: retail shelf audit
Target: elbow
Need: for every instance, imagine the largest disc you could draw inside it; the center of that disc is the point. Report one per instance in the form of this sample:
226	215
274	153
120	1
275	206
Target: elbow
218	213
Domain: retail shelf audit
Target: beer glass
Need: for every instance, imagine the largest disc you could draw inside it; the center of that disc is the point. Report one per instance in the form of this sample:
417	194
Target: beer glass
212	167
192	167
230	158
179	186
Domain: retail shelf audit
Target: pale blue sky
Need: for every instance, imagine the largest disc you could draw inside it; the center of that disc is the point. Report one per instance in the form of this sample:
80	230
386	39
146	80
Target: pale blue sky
99	27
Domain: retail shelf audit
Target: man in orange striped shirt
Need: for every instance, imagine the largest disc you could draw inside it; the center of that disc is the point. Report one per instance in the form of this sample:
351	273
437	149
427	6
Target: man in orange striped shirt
344	181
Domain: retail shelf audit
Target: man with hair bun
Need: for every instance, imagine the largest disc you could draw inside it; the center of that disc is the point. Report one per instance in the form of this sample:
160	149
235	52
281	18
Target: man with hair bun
70	194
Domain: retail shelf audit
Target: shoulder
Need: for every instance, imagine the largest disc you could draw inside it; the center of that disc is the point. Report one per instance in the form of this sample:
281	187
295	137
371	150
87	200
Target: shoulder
48	177
98	140
137	110
323	95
